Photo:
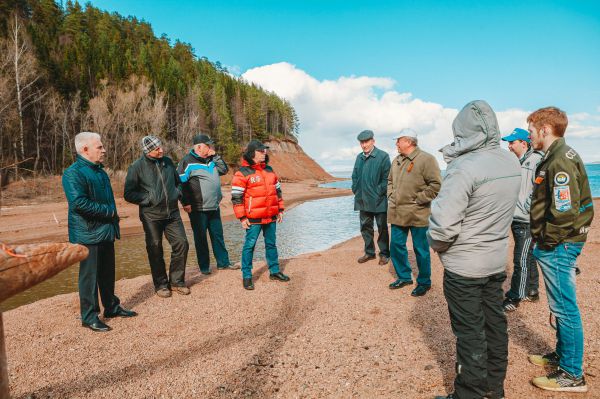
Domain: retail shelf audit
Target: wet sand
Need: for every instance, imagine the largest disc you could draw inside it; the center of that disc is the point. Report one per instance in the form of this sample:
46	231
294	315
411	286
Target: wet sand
335	330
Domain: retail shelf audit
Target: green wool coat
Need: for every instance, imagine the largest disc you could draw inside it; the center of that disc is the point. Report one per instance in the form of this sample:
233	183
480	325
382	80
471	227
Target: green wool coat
369	181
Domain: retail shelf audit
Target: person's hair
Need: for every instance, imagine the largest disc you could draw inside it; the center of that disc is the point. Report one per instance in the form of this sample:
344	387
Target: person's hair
83	138
249	156
550	116
413	140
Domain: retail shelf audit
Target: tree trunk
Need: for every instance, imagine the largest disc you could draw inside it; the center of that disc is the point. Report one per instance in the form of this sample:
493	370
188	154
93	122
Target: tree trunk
17	57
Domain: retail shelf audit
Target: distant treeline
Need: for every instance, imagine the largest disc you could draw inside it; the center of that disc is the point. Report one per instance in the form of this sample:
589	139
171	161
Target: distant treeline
66	69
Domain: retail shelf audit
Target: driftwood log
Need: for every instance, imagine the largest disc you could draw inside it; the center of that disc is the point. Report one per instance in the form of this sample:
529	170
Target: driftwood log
23	267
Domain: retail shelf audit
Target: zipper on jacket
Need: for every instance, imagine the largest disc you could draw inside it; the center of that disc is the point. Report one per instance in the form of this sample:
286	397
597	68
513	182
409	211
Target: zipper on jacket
164	188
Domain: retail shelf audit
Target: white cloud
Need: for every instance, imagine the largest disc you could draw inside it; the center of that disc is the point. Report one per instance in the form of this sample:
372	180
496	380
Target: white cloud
333	112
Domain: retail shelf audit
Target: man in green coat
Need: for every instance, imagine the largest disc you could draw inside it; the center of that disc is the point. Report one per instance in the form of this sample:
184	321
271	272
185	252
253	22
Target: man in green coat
414	182
94	223
561	215
369	185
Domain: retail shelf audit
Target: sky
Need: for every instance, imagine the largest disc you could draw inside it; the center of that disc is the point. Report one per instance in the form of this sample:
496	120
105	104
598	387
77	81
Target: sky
350	65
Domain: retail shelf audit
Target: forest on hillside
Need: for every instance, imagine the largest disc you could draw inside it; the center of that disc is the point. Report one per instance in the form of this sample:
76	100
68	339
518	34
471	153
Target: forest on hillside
72	67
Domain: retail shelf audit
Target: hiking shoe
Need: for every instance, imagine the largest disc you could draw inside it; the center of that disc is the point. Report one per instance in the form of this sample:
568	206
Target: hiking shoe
561	381
510	305
365	258
182	290
383	260
164	293
549	359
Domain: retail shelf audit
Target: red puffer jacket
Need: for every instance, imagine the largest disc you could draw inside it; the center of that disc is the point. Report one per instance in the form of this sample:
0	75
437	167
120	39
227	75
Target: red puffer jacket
256	193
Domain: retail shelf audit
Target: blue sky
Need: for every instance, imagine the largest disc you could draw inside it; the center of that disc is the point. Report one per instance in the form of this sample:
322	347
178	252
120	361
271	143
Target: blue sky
514	54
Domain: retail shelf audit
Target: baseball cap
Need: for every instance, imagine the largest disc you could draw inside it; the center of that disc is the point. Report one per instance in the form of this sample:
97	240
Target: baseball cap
406	133
255	145
202	139
517	134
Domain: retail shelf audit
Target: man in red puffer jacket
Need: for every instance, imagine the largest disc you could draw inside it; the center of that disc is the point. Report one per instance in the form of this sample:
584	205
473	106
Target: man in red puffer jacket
258	204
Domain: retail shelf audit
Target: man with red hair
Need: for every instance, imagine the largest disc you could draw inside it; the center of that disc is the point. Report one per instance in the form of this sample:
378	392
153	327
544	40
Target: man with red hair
561	214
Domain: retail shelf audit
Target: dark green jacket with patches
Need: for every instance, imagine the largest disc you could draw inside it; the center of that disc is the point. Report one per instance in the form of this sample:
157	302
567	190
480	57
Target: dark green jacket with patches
369	181
561	206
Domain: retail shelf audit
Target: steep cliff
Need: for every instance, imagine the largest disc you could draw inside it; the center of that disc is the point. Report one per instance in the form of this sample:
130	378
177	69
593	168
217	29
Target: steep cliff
292	164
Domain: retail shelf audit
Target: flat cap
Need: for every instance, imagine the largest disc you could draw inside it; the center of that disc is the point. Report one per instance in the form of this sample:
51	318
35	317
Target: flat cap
365	135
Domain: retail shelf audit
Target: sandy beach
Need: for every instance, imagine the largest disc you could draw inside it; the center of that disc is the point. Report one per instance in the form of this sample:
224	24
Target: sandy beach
335	330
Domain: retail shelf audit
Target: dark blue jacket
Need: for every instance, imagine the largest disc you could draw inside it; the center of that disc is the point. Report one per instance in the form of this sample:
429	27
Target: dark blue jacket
92	210
369	181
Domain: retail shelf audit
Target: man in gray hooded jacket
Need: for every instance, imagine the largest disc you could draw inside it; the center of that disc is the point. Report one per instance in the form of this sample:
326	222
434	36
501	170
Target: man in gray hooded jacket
468	227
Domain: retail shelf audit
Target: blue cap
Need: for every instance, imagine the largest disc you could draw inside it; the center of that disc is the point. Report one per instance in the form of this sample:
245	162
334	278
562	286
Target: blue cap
517	134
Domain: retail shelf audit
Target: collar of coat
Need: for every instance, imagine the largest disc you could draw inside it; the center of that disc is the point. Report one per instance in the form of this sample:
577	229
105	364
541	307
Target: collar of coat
413	154
374	153
89	163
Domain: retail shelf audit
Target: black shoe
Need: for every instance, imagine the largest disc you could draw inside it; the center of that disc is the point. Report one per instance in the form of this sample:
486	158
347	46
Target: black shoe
206	272
510	305
532	296
97	326
420	290
399	284
577	271
365	258
451	396
248	284
279	276
121	312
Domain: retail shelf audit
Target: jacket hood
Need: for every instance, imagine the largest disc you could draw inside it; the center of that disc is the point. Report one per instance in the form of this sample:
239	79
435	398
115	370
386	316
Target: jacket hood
474	128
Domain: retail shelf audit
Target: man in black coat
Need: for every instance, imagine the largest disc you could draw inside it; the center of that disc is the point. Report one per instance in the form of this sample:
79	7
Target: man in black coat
94	223
153	183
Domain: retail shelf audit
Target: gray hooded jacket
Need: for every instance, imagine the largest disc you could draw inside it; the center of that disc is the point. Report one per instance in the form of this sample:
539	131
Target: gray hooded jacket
472	214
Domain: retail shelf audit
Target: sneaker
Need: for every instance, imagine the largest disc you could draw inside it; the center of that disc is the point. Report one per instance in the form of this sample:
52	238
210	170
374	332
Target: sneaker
561	381
510	305
182	290
533	296
164	293
549	359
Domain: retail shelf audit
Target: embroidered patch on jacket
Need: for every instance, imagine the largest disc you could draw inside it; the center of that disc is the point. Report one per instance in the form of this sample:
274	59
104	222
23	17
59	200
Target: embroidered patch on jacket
539	180
561	179
562	198
571	154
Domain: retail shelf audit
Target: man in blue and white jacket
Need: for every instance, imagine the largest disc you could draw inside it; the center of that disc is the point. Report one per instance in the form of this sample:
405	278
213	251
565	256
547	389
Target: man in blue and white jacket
200	172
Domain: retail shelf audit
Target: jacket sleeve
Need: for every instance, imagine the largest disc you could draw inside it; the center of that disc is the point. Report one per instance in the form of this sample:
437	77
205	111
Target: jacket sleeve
132	192
433	180
79	200
222	167
565	203
385	172
279	194
448	210
390	181
355	176
182	178
238	189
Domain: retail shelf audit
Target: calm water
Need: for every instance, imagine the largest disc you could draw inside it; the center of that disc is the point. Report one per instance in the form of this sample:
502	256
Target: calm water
309	227
593	171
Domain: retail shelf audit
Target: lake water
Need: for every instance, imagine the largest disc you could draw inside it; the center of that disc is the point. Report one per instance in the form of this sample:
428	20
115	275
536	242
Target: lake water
593	172
309	227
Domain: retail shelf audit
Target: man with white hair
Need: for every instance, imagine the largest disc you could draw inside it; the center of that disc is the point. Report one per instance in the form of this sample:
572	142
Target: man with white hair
413	182
94	223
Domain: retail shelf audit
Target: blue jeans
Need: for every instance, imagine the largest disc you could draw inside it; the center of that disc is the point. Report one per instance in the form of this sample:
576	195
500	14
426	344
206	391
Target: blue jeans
400	254
269	233
202	221
558	269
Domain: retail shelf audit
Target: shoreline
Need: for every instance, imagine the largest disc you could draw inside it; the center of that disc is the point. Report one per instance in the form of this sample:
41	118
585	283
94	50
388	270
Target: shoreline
48	221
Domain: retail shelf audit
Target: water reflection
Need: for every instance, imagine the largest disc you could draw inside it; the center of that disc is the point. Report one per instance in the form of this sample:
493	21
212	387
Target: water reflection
309	227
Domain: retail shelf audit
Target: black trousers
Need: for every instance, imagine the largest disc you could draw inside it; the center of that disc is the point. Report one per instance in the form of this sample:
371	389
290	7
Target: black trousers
366	229
175	232
525	278
479	324
97	273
